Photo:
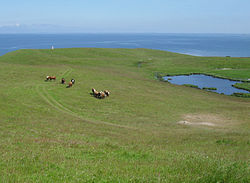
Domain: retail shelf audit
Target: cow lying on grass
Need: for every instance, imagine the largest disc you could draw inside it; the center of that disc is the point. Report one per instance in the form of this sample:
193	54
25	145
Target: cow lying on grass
95	93
101	94
107	93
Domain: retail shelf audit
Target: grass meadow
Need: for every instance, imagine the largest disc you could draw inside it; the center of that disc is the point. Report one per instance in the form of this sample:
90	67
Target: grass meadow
145	131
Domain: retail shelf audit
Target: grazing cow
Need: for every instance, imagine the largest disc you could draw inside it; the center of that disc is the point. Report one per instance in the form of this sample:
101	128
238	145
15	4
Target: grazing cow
70	84
73	81
63	81
107	93
50	78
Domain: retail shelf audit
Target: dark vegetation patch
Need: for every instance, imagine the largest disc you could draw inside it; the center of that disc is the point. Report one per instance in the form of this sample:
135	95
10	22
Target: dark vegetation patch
243	85
243	95
226	142
190	85
209	88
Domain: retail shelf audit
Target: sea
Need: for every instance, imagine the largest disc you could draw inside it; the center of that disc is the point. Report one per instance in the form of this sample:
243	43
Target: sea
234	45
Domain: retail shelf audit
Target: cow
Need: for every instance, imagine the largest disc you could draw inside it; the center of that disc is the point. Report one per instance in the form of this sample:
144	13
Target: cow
73	81
95	93
102	95
63	81
50	78
70	84
107	93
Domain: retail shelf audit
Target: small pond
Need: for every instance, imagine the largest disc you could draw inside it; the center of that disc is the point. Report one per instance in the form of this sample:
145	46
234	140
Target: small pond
200	80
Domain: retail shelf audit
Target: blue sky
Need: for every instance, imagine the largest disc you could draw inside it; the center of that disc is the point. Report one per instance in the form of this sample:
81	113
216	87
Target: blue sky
159	16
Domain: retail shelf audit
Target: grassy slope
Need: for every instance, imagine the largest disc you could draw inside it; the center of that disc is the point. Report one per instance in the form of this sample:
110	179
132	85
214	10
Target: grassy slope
51	133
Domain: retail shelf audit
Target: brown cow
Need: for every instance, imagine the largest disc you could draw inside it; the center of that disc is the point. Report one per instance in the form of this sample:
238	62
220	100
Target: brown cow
50	78
102	95
70	84
95	93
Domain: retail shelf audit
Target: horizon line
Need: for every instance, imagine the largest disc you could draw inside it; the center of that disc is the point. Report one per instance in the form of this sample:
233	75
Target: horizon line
118	33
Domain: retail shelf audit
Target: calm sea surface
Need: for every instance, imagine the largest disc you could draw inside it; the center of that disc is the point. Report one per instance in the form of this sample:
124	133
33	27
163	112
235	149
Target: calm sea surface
236	45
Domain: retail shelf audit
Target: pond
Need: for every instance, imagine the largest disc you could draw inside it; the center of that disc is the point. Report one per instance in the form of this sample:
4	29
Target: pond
200	80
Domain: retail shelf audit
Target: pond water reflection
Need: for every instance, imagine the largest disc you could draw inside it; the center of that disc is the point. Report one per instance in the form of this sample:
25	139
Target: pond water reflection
200	80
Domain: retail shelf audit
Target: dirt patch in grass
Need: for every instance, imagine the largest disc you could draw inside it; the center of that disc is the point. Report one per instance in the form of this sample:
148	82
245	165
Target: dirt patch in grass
191	123
203	119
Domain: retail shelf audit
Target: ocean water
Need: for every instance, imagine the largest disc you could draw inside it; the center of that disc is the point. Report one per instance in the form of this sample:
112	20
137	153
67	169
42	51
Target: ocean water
235	45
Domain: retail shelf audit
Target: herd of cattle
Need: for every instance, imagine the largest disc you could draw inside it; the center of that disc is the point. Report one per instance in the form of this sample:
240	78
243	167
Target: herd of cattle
100	95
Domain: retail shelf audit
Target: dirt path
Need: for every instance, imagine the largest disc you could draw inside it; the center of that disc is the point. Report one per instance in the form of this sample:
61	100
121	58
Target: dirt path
67	72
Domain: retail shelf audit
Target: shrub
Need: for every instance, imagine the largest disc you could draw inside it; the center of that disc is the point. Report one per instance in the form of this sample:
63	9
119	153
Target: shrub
244	95
209	88
190	85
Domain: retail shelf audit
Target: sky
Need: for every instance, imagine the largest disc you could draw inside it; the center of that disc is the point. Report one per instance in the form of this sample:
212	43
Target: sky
126	16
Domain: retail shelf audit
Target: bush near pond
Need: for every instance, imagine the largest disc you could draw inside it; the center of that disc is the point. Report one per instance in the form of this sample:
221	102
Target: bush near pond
190	85
209	88
243	85
244	95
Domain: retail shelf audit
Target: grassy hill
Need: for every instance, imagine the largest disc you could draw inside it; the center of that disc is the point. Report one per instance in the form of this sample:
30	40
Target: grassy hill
146	131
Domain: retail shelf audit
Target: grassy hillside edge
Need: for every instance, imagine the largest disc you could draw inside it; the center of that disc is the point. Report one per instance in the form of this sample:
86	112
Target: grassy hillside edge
146	131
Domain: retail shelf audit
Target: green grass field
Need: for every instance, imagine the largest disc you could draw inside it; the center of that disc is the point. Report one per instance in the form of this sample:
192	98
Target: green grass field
146	131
